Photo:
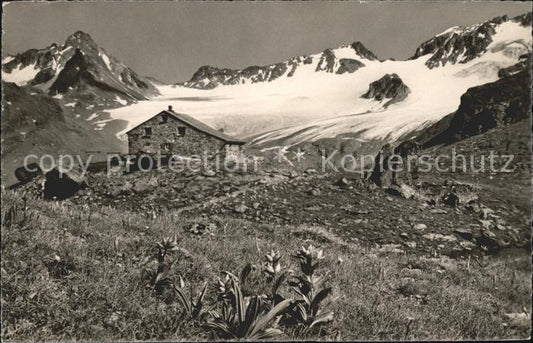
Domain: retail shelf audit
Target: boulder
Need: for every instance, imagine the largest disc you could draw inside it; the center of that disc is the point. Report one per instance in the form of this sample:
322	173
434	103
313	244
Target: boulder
488	241
145	184
407	163
124	188
343	182
200	229
501	227
27	173
314	191
402	190
464	234
381	174
241	208
62	183
396	166
438	211
411	245
460	194
485	223
486	212
420	227
439	237
473	207
451	199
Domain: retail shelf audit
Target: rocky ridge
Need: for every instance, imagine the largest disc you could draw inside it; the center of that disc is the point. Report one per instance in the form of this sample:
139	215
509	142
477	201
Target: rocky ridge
463	44
208	77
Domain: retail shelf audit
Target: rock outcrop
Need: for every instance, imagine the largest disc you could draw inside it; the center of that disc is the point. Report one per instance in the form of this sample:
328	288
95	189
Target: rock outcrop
486	107
382	172
395	167
61	184
362	51
390	86
327	61
349	65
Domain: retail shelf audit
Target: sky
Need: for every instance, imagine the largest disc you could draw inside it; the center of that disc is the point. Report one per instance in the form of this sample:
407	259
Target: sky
170	40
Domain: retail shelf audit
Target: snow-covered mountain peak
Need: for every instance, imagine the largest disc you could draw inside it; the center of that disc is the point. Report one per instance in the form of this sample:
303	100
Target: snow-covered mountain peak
80	39
462	44
79	67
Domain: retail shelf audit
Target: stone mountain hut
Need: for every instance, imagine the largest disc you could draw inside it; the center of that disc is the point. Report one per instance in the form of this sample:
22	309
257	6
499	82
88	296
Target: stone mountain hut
170	133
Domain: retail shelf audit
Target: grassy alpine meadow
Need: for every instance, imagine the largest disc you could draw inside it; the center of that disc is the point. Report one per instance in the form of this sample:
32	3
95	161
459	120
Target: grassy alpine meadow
74	272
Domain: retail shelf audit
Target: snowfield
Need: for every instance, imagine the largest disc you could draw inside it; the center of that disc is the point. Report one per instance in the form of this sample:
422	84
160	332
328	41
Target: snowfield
312	105
7	59
20	76
120	100
106	60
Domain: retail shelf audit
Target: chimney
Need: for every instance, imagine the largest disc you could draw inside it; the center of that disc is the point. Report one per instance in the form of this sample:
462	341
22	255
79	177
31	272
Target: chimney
170	107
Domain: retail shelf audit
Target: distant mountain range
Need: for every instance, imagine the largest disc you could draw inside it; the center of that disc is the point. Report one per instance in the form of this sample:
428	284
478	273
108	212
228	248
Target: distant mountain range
455	45
452	83
345	59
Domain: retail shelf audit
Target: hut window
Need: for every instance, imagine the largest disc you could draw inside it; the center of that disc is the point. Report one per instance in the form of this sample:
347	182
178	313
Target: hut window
148	131
164	118
181	131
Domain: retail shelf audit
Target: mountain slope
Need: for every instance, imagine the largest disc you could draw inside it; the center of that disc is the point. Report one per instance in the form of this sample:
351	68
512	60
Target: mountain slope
22	109
35	123
486	107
